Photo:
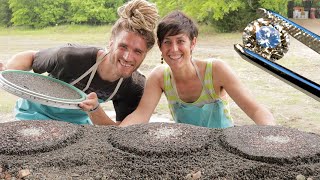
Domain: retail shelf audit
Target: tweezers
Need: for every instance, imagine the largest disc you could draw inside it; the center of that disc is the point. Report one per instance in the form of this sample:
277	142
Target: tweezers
303	35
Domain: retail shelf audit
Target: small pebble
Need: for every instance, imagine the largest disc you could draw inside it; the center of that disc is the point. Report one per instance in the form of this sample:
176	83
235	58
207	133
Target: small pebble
23	173
75	175
194	176
300	177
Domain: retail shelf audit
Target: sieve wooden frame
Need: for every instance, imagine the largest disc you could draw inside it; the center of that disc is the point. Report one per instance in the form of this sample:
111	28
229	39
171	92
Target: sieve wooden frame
41	98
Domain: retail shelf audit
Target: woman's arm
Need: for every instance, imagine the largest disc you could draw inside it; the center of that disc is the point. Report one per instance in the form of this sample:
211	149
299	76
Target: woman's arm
227	79
150	98
142	114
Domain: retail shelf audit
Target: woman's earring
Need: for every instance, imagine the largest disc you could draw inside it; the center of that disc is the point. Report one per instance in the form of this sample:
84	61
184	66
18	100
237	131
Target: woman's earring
161	60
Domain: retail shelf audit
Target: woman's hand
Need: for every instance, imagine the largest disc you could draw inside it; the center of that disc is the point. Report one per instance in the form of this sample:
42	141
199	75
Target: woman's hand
91	104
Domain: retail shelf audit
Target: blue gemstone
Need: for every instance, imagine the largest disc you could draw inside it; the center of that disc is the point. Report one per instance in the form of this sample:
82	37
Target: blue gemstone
268	37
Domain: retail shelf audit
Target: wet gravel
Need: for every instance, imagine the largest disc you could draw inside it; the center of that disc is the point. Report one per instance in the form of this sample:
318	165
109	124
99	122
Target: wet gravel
156	151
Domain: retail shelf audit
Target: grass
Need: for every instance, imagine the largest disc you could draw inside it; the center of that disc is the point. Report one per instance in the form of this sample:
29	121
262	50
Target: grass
74	33
63	29
7	102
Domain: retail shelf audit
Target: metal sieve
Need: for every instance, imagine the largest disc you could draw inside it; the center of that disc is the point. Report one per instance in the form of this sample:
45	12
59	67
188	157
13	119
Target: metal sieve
42	89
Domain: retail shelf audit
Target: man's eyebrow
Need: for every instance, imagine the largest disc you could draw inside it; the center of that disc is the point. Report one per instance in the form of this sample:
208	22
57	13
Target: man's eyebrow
140	50
123	44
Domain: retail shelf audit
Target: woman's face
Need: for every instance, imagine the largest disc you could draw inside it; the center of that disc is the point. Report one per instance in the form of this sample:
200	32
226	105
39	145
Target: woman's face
177	49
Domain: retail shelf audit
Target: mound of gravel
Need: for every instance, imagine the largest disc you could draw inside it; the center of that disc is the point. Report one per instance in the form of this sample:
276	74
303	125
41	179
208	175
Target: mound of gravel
161	140
160	151
23	137
272	144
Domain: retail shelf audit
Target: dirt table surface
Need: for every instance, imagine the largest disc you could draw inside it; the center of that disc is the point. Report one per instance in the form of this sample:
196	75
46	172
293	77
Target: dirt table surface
155	151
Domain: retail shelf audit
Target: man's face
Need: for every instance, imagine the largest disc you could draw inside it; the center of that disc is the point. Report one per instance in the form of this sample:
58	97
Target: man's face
127	51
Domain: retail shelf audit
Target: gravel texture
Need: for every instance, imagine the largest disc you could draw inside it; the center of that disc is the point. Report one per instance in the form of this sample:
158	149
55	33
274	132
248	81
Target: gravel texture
23	137
161	140
41	85
154	151
272	144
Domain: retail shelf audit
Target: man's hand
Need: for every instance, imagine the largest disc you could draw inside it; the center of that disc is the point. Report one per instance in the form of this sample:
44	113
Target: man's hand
91	103
95	111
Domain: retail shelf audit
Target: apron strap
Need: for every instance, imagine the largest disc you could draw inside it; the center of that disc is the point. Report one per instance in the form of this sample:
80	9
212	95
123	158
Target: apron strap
200	78
115	90
93	71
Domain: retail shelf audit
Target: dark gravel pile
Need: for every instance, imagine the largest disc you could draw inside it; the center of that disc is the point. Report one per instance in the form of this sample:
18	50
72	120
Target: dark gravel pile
162	140
158	151
23	137
272	144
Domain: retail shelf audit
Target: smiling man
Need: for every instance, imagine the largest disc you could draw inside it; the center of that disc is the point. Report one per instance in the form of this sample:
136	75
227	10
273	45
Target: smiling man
106	74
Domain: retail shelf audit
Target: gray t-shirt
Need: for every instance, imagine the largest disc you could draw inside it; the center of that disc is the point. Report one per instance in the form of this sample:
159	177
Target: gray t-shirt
69	62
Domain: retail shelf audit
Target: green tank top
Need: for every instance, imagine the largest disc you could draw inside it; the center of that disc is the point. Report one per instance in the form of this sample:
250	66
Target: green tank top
209	110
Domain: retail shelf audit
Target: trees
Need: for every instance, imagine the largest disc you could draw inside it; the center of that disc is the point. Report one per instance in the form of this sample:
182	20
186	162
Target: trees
275	5
42	13
94	12
201	10
5	13
226	15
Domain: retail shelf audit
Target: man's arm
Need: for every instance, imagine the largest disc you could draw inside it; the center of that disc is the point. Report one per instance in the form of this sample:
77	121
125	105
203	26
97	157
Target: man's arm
21	61
95	111
99	117
2	67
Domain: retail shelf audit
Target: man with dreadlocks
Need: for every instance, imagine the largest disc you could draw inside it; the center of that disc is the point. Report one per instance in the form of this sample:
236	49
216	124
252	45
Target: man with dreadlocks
106	74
